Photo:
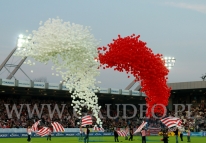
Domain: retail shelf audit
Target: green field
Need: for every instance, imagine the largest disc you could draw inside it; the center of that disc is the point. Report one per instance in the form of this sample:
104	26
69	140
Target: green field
152	139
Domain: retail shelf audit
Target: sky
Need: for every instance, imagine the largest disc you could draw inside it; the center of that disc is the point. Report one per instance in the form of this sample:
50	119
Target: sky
175	28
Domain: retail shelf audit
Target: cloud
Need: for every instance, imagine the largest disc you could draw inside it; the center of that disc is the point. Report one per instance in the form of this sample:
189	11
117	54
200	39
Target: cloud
195	7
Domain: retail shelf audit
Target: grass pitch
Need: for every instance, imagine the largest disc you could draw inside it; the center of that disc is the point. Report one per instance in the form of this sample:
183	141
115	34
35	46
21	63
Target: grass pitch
150	139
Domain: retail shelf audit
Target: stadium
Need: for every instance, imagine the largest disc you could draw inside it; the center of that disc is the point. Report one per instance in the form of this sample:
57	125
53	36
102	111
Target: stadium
168	104
14	91
26	103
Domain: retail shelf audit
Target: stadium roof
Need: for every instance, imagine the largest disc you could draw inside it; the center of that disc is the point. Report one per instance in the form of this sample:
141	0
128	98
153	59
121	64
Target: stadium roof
187	85
54	89
30	88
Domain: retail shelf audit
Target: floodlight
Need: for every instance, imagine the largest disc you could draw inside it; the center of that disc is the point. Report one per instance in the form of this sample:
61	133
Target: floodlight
21	40
169	62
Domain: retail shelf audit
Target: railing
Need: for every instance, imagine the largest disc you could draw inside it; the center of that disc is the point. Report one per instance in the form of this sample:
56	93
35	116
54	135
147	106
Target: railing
55	86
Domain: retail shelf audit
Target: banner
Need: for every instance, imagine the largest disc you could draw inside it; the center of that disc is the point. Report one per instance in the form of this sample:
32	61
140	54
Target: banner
108	134
8	82
104	90
194	134
77	134
53	86
126	92
4	135
115	91
39	85
63	134
135	93
22	83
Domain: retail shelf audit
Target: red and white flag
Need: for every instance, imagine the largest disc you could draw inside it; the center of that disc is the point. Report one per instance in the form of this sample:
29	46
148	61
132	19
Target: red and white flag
154	130
57	127
122	133
140	127
172	129
34	127
127	130
179	123
98	129
86	120
43	131
171	122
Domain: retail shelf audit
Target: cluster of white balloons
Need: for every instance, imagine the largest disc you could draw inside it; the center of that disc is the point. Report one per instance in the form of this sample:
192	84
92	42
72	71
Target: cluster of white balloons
29	62
72	49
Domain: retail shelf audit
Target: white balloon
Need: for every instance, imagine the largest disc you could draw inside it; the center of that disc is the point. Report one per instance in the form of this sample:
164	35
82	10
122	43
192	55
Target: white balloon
72	49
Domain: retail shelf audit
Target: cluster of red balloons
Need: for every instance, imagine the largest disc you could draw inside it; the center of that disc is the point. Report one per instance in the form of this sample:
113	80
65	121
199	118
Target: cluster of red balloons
131	55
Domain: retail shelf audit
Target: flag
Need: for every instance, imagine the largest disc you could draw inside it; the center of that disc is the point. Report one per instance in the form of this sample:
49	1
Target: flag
43	131
179	123
154	130
140	127
98	129
127	130
34	127
171	121
86	120
57	127
172	129
122	133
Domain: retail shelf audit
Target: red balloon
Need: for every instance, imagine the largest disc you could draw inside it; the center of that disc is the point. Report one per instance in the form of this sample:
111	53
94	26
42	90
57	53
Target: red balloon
131	55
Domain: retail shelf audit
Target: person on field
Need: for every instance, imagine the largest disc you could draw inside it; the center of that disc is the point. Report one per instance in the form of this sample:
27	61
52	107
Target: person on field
131	133
143	133
86	138
188	135
49	134
181	132
81	132
29	130
176	134
116	136
165	136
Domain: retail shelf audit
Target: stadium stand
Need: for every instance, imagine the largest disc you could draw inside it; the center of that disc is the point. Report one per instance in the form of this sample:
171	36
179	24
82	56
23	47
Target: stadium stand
182	93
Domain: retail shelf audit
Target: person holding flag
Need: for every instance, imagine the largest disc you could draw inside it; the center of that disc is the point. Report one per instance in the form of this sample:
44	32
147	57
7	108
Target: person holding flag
165	136
139	129
86	138
131	133
181	132
49	133
176	134
116	135
127	131
29	133
80	131
143	133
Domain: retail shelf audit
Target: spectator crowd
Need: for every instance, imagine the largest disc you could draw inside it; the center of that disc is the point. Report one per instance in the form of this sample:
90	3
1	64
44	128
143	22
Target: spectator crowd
196	121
